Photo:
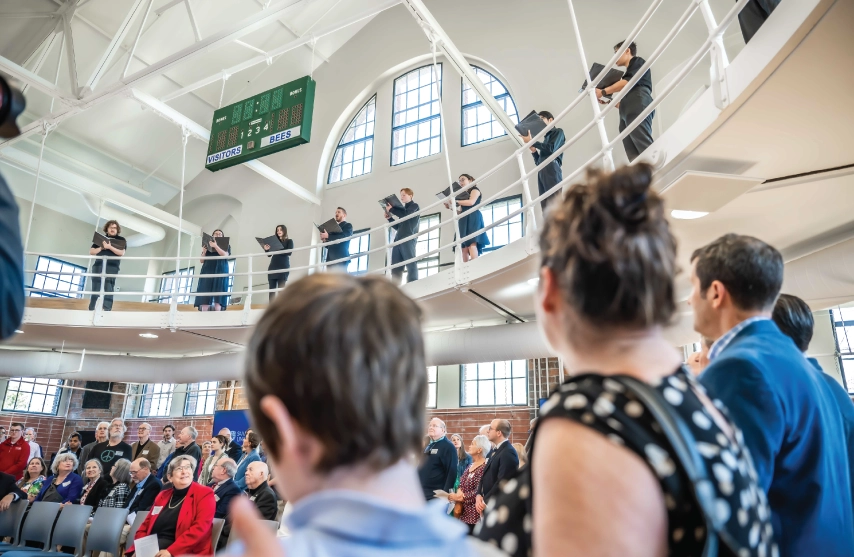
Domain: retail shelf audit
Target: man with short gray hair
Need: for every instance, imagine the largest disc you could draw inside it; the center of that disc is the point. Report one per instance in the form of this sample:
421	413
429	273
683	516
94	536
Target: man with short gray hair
224	491
114	449
144	446
100	437
186	446
438	470
259	491
35	448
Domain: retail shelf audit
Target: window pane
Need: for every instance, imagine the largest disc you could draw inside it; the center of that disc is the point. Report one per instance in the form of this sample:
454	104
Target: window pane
478	122
356	145
415	115
495	383
57	275
36	396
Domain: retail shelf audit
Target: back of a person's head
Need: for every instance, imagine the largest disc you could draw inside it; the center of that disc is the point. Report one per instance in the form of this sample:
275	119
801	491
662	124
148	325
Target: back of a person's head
611	250
750	269
794	318
346	357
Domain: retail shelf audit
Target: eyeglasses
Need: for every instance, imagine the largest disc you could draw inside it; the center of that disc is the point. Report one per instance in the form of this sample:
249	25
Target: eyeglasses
186	468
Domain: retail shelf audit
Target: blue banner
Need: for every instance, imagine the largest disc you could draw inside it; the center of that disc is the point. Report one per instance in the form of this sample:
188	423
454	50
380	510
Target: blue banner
235	420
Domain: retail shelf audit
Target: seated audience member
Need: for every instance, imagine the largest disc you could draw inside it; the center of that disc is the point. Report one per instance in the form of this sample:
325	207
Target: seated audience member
250	455
143	491
523	454
470	480
182	516
601	476
206	452
73	445
145	447
233	450
786	412
9	492
438	470
502	465
186	446
794	319
33	478
355	345
166	445
35	448
14	452
259	492
96	486
64	486
114	448
463	458
218	444
86	453
224	491
119	491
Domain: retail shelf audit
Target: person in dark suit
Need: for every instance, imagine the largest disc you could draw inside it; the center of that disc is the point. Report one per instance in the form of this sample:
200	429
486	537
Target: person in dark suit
233	451
11	264
754	15
224	491
551	174
438	470
144	489
337	255
501	465
279	261
405	229
9	492
260	492
786	412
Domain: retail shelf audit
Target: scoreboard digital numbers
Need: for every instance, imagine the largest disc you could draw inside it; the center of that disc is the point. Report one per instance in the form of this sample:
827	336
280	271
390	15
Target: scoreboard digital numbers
267	123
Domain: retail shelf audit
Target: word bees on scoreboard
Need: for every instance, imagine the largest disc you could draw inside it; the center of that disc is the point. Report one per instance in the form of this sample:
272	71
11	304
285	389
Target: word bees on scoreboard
267	123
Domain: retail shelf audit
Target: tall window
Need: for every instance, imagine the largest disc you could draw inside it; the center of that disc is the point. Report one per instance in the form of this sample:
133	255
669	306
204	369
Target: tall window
509	230
180	284
67	285
355	153
843	326
416	121
432	382
426	243
495	383
29	394
479	124
201	398
362	244
156	400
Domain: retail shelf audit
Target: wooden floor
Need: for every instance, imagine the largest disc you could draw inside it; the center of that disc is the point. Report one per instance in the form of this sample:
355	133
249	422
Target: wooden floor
78	304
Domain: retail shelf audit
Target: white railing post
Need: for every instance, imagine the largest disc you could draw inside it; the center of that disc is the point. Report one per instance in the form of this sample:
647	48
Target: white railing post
247	303
388	251
527	197
99	305
719	58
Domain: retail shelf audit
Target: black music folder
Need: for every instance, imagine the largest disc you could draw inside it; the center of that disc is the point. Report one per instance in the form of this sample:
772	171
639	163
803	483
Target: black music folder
330	226
532	123
221	241
445	193
391	200
613	76
98	239
272	241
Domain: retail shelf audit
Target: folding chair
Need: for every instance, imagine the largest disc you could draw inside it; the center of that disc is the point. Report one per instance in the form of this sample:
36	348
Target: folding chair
68	532
37	527
106	530
216	532
10	523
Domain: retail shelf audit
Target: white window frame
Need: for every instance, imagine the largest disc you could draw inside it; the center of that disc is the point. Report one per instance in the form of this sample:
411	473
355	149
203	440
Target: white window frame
185	286
32	395
484	119
359	265
512	226
156	400
432	386
495	378
416	119
40	279
204	394
361	143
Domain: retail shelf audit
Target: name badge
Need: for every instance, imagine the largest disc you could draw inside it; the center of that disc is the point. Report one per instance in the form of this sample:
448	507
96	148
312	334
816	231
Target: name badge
66	484
434	451
252	498
145	451
156	510
119	453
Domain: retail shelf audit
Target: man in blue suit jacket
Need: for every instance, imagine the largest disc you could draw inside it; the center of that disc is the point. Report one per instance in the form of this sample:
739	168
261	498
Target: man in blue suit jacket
254	441
224	491
784	409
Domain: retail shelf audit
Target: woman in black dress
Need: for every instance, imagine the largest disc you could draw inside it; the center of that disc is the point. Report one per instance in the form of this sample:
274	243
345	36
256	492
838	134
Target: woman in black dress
280	260
472	221
602	478
213	284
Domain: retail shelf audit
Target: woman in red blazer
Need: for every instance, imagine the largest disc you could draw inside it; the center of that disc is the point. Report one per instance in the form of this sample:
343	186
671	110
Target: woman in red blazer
182	516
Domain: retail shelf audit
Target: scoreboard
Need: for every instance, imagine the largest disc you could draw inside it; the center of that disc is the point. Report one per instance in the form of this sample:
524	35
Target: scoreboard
267	123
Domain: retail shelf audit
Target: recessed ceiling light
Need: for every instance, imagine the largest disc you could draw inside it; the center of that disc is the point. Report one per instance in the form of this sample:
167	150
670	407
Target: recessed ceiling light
19	331
687	215
534	281
147	335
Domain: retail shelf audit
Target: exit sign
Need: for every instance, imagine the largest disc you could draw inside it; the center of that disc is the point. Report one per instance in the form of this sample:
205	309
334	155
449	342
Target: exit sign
267	123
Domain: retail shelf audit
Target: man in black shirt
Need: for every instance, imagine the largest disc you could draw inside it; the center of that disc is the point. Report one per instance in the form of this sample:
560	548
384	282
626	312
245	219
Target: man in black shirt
111	231
405	229
634	102
551	174
438	468
337	254
186	445
259	491
72	446
113	449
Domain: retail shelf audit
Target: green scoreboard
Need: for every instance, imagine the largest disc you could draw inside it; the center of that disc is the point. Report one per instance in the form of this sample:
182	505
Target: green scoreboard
267	123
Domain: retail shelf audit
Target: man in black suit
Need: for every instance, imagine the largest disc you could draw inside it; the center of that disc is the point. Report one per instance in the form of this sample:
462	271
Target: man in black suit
233	450
9	492
337	254
438	470
143	491
259	491
224	491
502	464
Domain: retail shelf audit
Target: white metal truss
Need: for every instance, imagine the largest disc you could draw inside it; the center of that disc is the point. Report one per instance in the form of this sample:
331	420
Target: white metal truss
104	63
35	81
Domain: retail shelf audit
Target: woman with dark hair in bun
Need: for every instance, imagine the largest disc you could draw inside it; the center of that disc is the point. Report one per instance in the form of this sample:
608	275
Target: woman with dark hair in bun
279	261
470	220
602	478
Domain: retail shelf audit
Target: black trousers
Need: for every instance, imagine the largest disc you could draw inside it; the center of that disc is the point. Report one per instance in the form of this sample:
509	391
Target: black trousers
276	282
754	15
547	178
641	137
402	252
109	286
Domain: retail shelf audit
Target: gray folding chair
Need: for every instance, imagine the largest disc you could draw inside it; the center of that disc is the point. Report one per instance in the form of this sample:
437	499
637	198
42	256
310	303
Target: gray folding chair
216	532
106	531
10	523
137	522
68	532
37	527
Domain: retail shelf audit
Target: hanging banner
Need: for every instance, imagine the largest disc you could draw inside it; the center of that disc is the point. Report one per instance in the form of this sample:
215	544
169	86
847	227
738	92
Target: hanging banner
237	421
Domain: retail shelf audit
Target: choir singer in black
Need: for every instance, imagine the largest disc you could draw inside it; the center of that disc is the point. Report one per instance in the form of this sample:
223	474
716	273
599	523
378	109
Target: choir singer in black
107	249
279	261
406	229
338	255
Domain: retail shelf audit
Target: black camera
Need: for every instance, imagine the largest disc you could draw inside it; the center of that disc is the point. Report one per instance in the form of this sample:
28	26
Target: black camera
12	104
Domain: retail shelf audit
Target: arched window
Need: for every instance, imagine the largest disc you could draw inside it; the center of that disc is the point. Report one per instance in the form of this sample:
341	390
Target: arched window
355	153
416	121
479	124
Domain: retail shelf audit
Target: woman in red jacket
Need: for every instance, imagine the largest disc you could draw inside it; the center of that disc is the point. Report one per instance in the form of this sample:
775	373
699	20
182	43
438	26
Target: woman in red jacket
181	517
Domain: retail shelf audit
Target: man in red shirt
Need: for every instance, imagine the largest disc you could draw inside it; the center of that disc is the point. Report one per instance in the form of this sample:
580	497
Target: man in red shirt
14	452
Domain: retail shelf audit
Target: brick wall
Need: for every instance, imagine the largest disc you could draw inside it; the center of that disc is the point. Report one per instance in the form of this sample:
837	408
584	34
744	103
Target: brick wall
467	421
49	429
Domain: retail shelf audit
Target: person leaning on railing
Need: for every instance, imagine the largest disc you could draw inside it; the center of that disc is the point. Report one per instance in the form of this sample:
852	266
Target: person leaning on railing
106	249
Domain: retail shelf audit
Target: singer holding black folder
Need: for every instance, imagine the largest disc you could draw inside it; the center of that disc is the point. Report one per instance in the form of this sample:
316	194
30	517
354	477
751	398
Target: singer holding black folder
551	174
107	249
279	261
213	267
337	255
471	221
405	229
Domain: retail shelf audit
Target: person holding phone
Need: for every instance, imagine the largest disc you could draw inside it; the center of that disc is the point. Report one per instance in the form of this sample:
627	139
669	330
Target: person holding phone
112	253
279	261
213	267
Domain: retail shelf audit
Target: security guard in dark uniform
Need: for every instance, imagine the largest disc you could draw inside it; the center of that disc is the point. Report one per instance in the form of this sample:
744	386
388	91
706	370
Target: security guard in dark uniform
634	102
405	229
551	174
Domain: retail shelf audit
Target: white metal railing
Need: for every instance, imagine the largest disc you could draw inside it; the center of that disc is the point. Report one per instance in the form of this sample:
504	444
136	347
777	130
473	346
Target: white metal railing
719	61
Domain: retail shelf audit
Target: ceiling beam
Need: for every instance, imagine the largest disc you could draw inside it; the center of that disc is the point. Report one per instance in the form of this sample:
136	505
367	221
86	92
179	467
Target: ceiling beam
69	45
160	11
35	81
202	133
45	47
114	46
431	27
193	23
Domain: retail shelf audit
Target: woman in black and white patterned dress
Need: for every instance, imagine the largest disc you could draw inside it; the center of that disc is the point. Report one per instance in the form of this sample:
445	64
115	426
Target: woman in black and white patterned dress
602	479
